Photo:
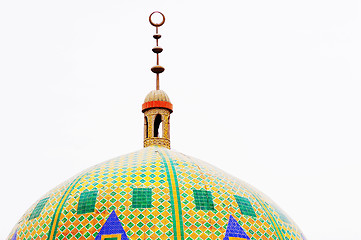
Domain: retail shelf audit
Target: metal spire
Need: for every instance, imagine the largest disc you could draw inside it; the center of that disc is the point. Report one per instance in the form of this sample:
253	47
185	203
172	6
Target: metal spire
157	69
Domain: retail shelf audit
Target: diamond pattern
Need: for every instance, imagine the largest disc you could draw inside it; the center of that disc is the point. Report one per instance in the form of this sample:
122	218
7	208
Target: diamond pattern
87	202
116	181
245	206
142	198
203	199
39	207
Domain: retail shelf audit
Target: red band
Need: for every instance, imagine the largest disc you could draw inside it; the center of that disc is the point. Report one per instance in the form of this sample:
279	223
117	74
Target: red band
157	104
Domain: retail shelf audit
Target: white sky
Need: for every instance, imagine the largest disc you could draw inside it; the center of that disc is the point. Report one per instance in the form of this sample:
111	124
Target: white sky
269	91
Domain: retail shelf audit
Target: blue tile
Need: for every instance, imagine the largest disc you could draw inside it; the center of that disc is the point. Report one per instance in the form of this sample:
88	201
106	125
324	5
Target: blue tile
15	235
112	226
234	230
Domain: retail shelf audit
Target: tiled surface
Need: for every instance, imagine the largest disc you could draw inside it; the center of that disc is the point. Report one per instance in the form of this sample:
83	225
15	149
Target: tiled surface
87	201
152	194
234	230
203	199
14	236
39	207
245	206
112	229
142	198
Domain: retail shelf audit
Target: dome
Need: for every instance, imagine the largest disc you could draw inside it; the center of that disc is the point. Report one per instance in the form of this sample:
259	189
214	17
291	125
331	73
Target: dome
156	95
157	99
154	193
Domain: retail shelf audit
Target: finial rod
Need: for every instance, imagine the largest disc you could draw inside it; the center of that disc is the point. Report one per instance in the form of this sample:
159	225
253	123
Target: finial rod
157	69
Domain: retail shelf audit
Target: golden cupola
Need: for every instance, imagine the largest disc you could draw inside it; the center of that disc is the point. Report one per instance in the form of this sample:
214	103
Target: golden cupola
157	106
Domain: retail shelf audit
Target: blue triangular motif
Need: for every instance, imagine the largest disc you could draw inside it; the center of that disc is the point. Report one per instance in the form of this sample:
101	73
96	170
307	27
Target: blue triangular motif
234	230
15	235
112	226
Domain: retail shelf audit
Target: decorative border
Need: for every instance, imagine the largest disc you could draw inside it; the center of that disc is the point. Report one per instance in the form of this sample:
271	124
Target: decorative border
118	236
157	104
59	209
177	215
156	141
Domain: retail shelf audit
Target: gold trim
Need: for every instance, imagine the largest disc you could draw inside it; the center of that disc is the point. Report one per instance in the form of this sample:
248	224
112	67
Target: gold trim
118	236
163	142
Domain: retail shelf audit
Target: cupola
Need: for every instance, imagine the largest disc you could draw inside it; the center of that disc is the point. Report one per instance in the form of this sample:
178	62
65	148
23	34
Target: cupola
157	106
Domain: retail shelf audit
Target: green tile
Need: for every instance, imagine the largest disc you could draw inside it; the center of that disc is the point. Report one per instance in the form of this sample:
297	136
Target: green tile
245	206
203	200
87	201
39	207
142	198
283	216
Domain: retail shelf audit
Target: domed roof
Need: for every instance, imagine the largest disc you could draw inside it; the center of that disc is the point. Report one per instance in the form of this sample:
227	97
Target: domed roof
157	99
155	193
157	95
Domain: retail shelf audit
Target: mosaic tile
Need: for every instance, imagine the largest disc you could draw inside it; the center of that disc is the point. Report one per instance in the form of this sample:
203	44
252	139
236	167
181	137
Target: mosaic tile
87	202
155	193
245	206
14	236
142	198
234	230
203	200
39	207
281	214
112	229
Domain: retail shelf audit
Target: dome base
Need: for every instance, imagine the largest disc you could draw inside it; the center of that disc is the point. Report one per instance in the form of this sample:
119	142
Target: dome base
155	141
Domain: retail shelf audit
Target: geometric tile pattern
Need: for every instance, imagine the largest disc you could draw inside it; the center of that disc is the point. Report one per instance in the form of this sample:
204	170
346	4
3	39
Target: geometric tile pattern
37	210
87	201
43	222
170	210
14	236
234	230
282	215
203	199
245	206
53	228
175	199
112	229
142	198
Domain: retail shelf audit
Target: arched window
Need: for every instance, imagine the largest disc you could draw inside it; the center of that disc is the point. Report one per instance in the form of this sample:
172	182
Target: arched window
145	127
168	127
158	132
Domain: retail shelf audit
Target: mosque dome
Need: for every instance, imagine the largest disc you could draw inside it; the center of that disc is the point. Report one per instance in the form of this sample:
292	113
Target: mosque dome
157	95
155	193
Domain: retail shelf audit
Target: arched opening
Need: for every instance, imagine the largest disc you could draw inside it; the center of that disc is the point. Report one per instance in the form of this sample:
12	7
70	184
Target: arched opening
158	132
168	127
145	127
